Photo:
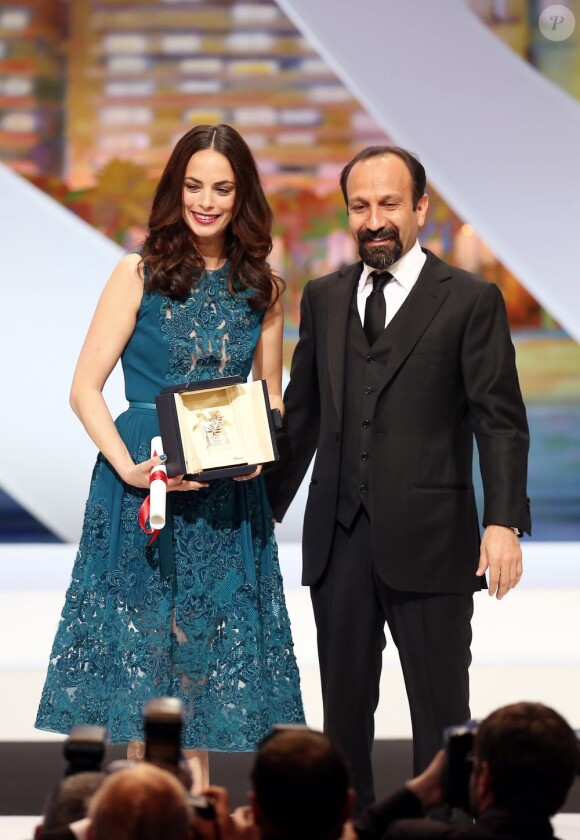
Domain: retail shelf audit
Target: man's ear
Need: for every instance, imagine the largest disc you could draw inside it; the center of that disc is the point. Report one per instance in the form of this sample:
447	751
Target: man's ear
484	785
422	207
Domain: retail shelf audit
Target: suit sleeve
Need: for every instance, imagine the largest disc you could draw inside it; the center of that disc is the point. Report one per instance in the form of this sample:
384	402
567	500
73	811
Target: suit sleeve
299	435
375	821
497	411
401	817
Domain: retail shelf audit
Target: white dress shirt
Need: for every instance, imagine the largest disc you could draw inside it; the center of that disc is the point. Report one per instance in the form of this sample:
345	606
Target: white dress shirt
405	273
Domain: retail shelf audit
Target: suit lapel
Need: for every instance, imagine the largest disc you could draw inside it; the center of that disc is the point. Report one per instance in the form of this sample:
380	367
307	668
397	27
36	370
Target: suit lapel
339	295
415	315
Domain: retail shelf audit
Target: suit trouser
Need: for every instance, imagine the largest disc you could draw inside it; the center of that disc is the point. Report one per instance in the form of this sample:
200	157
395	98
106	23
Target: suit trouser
432	634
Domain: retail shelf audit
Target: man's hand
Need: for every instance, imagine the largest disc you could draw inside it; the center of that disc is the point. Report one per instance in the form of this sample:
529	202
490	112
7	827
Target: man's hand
501	553
222	827
428	787
246	828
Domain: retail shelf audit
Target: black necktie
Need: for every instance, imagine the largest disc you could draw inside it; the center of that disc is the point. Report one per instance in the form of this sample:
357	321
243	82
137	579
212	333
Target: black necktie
376	309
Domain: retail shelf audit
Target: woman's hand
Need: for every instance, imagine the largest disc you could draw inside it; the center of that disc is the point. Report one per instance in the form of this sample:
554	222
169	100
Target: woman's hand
178	483
138	476
255	474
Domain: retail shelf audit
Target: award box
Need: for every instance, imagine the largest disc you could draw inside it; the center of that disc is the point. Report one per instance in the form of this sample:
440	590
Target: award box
217	428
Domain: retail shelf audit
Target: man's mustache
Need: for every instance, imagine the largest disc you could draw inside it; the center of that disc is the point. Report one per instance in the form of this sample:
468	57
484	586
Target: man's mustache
374	235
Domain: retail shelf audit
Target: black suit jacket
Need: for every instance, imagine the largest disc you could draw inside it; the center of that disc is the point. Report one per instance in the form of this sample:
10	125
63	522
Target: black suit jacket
399	817
450	375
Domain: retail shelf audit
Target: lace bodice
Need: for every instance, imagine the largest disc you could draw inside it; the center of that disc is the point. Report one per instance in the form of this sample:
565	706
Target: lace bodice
210	335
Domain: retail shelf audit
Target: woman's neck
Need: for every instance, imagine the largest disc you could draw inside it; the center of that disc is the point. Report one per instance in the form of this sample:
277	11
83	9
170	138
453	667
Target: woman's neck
212	255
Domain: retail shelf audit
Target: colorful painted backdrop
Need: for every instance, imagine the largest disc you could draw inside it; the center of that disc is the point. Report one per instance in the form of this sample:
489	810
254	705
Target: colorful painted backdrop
94	93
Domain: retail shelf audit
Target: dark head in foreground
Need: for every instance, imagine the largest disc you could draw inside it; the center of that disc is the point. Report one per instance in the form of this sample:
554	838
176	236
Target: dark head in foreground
69	801
300	786
525	759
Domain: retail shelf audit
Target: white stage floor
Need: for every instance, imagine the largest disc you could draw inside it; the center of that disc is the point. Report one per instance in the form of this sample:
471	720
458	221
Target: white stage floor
525	647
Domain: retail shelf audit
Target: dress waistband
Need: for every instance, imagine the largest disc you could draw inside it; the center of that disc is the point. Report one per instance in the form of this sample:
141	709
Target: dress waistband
133	404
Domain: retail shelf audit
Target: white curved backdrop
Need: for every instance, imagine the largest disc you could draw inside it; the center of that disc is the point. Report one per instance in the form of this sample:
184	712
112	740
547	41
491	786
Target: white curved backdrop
498	140
53	268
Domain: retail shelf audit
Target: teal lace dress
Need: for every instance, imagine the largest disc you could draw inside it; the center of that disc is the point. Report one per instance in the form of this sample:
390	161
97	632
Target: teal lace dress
200	614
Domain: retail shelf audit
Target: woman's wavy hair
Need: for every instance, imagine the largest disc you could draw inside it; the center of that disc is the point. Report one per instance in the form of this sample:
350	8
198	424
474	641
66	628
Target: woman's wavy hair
170	259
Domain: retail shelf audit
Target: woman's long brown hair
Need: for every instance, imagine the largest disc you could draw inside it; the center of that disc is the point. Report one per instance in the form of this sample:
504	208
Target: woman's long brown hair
171	262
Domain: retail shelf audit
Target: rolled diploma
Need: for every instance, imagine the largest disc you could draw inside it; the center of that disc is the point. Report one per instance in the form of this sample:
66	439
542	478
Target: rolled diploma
157	488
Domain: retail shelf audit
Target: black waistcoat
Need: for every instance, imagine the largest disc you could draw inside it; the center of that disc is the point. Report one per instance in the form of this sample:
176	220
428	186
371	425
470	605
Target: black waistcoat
363	376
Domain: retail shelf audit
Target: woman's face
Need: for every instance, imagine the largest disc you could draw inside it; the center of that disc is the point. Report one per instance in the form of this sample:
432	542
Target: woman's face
209	192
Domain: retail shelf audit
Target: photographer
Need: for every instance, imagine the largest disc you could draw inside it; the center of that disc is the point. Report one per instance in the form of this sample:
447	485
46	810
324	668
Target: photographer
300	787
142	802
84	750
523	763
68	803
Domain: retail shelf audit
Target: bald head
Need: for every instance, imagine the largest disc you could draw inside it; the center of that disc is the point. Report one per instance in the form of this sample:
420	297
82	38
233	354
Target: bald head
140	803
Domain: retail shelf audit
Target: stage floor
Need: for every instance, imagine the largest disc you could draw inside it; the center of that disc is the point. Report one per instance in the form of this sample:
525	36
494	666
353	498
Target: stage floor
524	647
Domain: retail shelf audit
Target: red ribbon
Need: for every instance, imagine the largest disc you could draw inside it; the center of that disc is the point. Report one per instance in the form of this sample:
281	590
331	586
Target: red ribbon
144	510
158	475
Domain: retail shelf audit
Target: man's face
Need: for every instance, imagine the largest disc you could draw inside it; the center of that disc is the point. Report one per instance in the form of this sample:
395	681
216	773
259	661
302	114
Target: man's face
380	210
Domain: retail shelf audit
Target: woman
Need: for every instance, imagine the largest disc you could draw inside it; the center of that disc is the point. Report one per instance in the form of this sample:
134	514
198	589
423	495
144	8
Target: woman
200	613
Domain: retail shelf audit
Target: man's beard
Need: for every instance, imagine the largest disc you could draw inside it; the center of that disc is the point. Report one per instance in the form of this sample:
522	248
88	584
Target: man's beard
380	256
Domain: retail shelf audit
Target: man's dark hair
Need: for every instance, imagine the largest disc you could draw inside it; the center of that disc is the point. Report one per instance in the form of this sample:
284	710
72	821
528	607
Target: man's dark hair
411	161
69	801
301	782
532	755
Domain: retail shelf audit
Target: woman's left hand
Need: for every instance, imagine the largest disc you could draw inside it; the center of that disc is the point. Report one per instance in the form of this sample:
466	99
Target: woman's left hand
255	474
180	483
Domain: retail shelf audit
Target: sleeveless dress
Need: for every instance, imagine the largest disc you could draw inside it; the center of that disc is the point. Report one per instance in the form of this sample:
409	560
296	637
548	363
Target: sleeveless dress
200	614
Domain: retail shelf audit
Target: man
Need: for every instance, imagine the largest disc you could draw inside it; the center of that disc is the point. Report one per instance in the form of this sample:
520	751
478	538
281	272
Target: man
300	787
143	802
391	378
68	803
525	759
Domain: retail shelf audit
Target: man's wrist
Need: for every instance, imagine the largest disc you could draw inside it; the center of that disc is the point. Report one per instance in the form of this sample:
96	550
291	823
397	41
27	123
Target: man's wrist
425	790
513	528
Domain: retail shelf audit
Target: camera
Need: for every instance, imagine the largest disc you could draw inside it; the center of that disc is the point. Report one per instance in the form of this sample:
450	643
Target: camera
202	806
163	722
84	749
458	746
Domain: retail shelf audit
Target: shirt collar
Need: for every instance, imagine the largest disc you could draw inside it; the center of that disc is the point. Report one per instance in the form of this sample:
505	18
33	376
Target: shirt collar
405	271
